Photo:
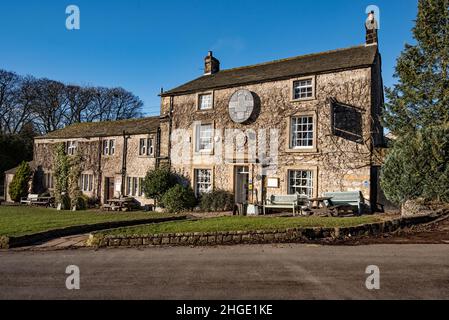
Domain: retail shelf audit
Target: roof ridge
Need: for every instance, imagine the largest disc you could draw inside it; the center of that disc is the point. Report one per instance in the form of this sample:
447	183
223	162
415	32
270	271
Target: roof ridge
291	58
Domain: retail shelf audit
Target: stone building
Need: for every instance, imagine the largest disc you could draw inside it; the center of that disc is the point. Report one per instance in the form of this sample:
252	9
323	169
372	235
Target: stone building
307	125
115	155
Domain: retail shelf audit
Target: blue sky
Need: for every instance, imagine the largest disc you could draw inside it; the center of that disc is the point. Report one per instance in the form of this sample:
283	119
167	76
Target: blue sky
145	45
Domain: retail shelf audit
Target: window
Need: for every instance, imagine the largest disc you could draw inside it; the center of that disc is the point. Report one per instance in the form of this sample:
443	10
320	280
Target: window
204	137
141	182
48	180
108	147
300	182
303	89
301	132
132	186
146	147
111	147
205	101
71	147
86	182
203	181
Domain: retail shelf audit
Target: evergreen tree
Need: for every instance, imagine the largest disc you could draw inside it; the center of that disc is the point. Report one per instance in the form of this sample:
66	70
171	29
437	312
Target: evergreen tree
20	183
421	96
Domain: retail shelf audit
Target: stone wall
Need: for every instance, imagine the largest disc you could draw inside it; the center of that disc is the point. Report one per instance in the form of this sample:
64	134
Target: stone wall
339	163
291	235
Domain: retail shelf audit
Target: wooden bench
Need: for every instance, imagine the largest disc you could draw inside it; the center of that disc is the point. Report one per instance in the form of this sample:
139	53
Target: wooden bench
347	199
30	199
291	201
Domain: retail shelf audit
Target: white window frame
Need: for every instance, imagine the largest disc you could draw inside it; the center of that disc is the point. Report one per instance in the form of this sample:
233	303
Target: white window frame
86	182
146	146
71	147
200	137
48	180
203	181
300	127
303	179
141	183
150	146
306	90
111	147
210	100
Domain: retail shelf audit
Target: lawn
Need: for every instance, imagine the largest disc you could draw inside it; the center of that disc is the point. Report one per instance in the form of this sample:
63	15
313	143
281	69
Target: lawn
238	223
19	221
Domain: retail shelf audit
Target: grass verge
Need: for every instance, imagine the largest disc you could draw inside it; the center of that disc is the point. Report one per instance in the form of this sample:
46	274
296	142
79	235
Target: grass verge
238	223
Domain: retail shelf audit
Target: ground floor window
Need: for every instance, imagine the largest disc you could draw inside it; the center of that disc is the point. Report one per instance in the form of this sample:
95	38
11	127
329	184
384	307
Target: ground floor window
48	180
141	185
133	186
300	182
86	182
203	181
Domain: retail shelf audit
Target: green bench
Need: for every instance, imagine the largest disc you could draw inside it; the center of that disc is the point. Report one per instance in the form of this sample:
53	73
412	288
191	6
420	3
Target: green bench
291	202
352	199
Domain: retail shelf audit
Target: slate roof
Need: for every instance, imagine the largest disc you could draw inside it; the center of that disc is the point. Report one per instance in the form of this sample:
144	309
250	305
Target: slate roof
341	59
105	128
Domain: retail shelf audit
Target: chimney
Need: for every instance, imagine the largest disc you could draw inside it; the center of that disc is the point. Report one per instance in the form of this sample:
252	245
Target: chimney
211	64
371	29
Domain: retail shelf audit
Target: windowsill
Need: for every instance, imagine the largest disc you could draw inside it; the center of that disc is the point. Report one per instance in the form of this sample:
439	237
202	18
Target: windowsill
146	157
303	99
204	152
204	110
302	150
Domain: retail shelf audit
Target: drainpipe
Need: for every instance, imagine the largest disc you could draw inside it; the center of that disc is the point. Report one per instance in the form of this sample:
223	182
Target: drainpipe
124	155
100	175
170	125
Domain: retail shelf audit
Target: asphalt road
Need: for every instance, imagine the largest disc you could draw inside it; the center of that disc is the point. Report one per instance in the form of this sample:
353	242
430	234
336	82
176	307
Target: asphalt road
238	272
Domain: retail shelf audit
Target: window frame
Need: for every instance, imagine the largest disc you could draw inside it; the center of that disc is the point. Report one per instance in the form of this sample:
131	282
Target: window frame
86	182
198	138
71	147
312	187
196	180
292	88
198	101
289	141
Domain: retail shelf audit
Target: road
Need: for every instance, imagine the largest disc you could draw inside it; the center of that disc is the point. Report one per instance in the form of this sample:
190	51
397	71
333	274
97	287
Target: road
240	272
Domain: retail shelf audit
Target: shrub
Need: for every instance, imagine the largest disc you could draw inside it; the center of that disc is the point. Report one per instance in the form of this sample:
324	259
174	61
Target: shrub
417	166
18	187
179	198
157	182
81	202
65	201
217	200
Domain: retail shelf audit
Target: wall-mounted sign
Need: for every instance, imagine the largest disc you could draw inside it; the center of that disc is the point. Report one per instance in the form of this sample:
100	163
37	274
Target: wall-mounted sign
273	183
241	106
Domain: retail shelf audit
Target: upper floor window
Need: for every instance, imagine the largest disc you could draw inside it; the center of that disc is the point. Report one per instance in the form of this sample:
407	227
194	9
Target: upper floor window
302	132
204	137
205	101
86	182
71	147
146	147
108	147
303	89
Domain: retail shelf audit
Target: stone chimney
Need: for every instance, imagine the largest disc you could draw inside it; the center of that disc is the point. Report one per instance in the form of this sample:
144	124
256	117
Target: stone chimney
211	64
371	29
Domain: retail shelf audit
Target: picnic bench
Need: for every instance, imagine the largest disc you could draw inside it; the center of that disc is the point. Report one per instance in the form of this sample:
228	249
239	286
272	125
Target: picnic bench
347	200
121	204
291	201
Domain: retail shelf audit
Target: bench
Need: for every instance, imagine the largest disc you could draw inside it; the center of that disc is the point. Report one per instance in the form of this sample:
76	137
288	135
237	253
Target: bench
351	199
30	199
291	201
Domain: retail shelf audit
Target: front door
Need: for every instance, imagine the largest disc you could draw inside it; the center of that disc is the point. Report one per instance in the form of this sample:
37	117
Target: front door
109	192
241	180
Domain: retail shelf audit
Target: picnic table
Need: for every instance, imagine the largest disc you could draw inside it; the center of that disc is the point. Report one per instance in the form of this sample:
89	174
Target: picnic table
321	206
119	204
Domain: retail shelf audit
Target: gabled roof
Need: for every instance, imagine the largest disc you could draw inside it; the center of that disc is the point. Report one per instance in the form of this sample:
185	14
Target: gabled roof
105	128
349	58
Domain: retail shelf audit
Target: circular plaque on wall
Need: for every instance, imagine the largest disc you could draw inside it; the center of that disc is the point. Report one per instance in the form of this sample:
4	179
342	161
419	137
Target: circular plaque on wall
241	106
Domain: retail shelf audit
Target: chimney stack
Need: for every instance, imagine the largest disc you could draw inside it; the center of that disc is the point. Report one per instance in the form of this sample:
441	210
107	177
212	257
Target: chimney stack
211	64
371	29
